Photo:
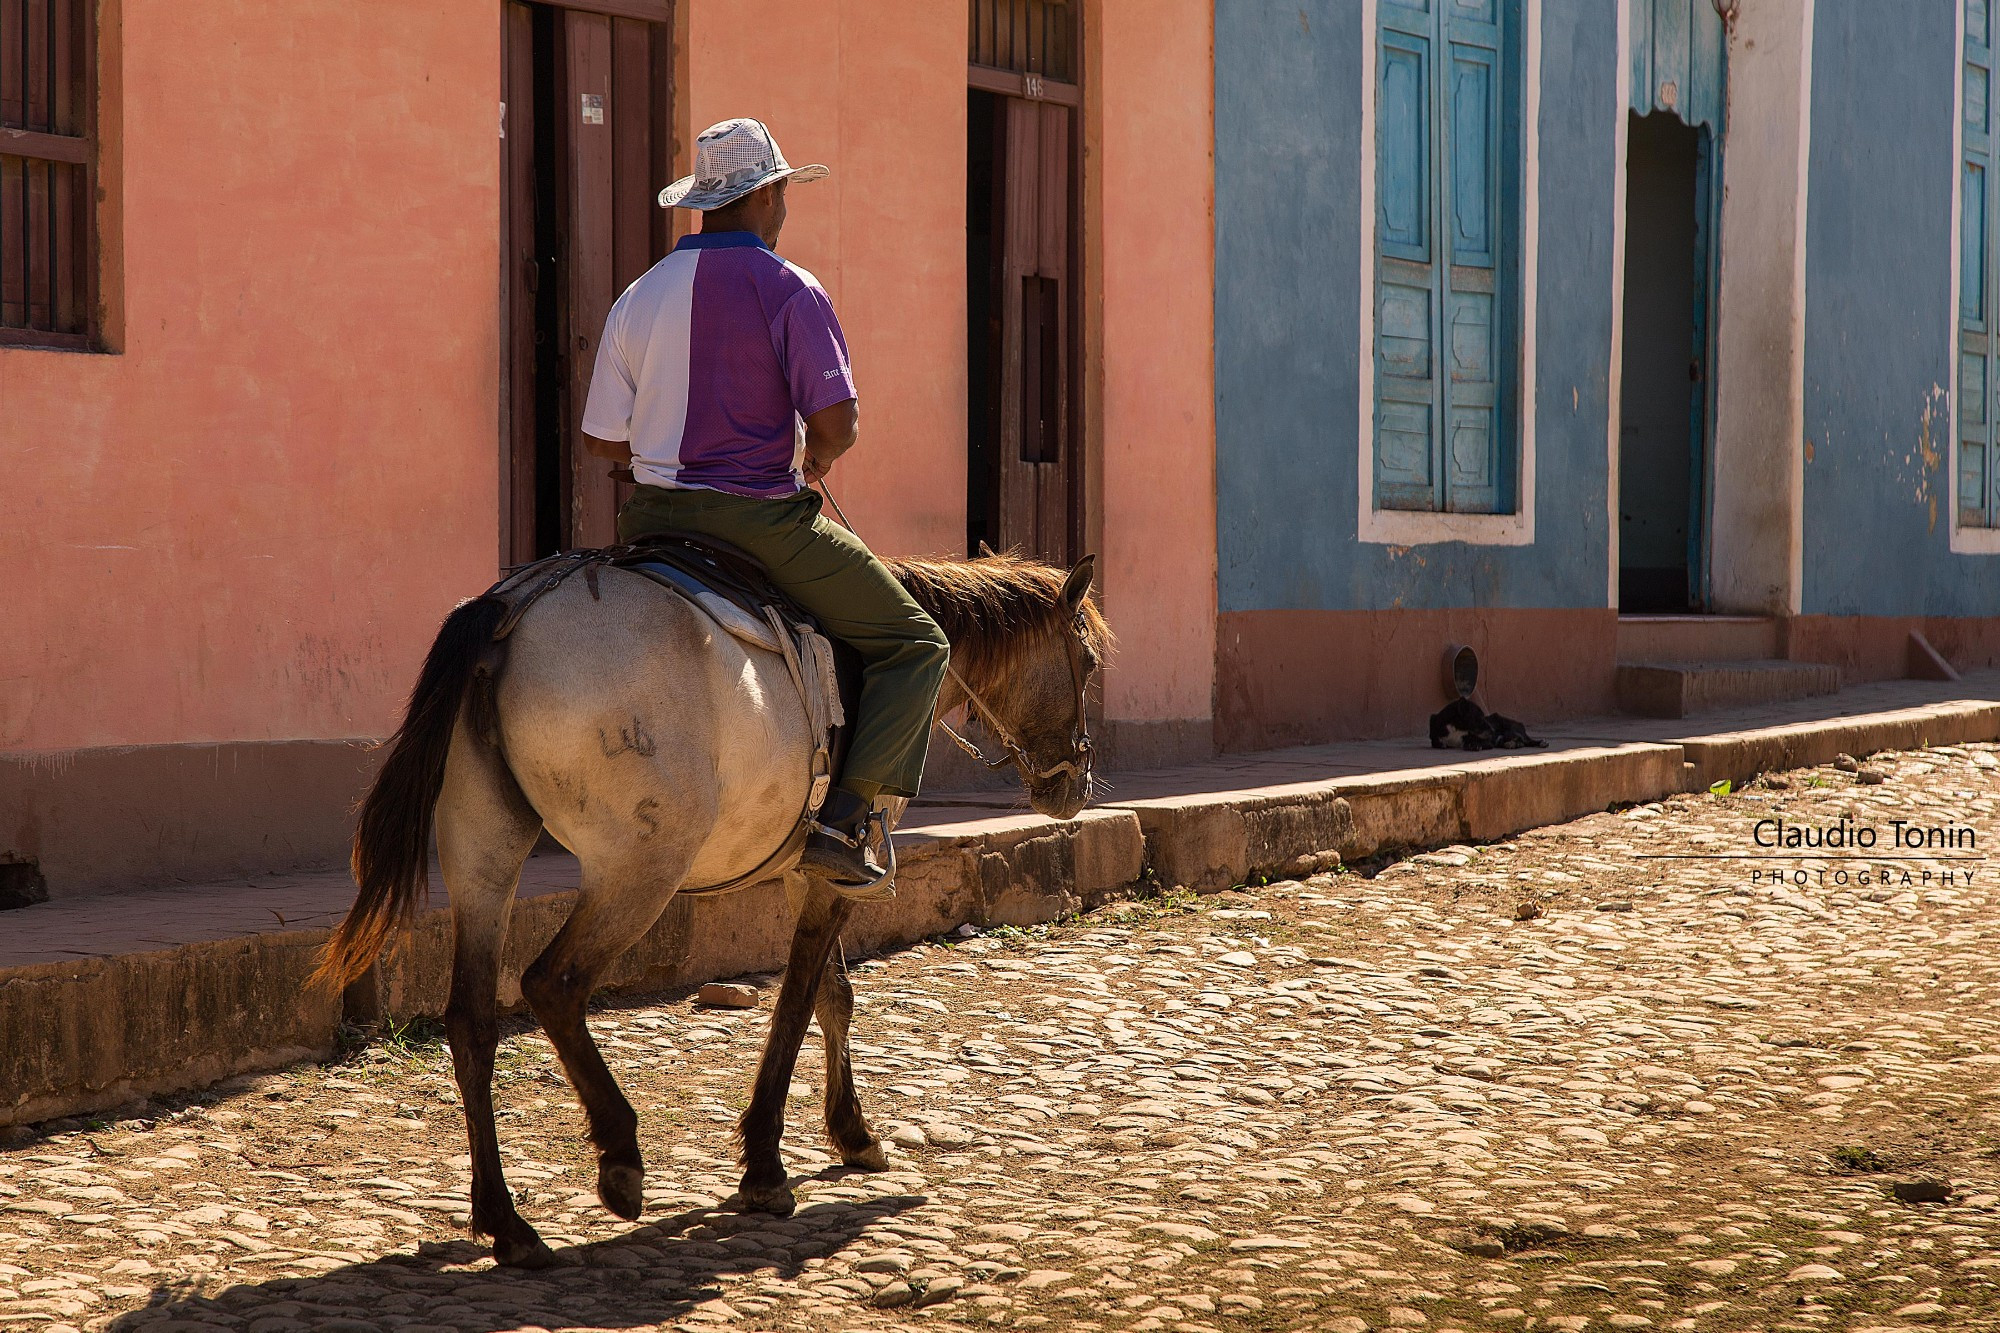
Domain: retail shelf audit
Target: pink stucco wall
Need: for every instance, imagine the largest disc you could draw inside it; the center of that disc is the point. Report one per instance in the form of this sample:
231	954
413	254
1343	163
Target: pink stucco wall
247	523
876	90
1153	147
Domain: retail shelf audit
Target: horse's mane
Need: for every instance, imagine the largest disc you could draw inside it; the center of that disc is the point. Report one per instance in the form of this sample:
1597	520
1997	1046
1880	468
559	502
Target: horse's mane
997	610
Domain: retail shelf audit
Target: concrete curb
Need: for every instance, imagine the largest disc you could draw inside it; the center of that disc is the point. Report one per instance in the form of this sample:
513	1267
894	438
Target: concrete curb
99	1032
1741	755
1213	840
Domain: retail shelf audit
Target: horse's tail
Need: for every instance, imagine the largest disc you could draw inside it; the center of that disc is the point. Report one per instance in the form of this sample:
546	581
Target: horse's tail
392	840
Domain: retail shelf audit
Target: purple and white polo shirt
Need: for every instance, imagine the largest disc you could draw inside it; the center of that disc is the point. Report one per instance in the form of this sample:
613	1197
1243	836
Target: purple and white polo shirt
709	362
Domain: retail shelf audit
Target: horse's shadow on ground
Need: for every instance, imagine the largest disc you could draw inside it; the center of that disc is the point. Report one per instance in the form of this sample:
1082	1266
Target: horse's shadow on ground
653	1274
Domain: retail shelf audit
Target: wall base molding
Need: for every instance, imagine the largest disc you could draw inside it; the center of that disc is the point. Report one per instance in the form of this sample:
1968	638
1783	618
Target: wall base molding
1302	677
1878	647
151	816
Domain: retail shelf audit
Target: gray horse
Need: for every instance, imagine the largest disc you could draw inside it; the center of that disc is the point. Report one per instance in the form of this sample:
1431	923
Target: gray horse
666	754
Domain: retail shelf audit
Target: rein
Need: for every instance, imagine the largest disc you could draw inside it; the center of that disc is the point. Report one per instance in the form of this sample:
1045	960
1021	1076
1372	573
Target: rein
1080	748
1081	751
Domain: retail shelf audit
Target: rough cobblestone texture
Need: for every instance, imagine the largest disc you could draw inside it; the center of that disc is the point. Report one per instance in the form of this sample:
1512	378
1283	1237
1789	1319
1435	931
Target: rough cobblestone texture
1676	1097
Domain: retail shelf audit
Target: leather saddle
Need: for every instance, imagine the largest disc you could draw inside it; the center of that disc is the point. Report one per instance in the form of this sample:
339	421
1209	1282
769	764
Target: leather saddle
732	589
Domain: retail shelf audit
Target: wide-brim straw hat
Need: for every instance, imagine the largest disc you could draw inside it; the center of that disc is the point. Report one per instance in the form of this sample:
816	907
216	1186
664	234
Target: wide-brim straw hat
730	160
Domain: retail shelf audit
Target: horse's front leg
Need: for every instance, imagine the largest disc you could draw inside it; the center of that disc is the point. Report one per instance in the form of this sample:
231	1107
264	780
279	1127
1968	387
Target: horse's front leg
846	1128
765	1187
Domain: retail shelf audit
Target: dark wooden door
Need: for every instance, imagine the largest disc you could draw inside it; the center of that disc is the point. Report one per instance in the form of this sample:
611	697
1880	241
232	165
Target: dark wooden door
1035	331
586	155
1023	307
519	288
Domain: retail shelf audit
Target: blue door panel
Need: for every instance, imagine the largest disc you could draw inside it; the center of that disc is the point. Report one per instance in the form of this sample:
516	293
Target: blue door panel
1474	148
1402	175
1471	454
1706	88
1673	25
1403	331
1972	240
1677	60
1472	339
1971	484
1404	451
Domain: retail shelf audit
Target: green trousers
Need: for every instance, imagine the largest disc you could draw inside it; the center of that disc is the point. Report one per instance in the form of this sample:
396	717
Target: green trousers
828	571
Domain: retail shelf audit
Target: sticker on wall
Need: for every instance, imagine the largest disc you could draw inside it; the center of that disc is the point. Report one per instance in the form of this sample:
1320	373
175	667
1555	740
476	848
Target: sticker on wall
593	108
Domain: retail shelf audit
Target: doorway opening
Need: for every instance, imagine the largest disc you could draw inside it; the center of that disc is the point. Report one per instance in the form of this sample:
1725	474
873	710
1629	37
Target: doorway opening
587	102
983	324
1664	416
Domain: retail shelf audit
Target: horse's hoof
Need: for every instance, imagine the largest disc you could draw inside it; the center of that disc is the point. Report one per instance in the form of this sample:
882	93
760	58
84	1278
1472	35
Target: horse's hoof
622	1189
872	1158
775	1199
524	1250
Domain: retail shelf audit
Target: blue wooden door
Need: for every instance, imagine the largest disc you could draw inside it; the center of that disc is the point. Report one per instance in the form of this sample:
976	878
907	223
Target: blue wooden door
1977	484
1446	177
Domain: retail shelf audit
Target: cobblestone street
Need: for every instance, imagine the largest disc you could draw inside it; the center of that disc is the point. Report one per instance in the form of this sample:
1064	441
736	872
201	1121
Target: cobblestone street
1591	1077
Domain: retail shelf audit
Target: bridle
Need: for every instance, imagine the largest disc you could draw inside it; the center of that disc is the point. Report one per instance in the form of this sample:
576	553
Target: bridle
1081	754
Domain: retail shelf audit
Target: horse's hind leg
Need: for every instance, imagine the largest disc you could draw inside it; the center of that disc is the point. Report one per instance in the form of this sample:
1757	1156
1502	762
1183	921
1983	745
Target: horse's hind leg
485	831
612	913
765	1188
833	1006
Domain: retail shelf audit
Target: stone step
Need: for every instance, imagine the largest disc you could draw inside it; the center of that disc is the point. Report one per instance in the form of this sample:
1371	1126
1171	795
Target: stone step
1682	689
1652	639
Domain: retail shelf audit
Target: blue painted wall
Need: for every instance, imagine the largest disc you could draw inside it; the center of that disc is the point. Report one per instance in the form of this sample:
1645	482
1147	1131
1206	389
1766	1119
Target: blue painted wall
1289	84
1879	316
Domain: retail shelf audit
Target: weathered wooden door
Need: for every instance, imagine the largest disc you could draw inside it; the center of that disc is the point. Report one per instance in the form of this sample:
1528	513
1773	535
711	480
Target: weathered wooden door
1026	474
1034	456
589	144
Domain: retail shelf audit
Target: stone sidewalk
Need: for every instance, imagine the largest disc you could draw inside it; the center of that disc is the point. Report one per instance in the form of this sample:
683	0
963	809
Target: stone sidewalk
104	999
1598	1076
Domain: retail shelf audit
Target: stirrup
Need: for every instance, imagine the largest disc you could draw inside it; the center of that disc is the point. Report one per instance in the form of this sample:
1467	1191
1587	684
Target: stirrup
883	886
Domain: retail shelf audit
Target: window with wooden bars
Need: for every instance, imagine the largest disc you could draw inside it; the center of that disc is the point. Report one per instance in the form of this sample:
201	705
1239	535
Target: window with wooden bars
1026	37
48	154
1447	254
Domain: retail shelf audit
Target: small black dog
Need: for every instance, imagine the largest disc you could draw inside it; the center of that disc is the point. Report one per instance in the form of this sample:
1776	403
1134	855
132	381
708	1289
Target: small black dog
1483	731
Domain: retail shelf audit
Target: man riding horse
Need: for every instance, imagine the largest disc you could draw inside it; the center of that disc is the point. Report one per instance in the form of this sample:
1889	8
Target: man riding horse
723	381
669	756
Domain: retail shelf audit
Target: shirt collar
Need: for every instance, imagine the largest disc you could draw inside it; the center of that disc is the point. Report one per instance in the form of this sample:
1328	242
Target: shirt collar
720	240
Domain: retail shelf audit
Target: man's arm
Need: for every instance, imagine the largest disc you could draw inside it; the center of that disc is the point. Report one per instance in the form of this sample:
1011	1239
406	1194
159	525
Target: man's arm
830	432
618	451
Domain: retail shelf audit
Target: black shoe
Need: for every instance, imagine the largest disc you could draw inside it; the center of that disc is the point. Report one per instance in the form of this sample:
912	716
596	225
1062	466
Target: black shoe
837	848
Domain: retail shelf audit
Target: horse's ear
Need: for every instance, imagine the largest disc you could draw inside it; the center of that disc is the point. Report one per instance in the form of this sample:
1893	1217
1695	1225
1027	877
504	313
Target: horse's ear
1077	585
986	552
